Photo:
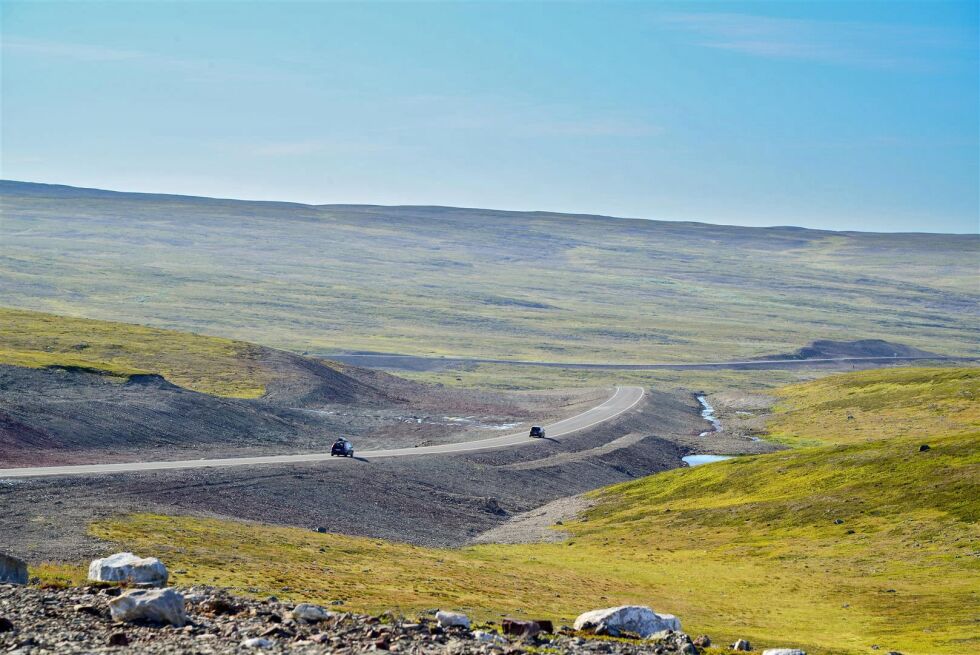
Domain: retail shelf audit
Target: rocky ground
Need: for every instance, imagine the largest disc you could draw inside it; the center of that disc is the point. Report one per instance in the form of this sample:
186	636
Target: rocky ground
35	621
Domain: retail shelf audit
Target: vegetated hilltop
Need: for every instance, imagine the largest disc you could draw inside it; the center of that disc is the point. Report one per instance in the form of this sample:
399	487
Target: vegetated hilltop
436	280
838	548
212	365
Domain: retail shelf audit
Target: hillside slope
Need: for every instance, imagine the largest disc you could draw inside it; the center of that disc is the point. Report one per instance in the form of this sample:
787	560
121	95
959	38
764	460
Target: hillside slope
834	549
517	285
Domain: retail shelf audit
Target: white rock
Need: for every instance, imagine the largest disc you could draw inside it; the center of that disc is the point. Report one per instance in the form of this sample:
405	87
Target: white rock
637	619
452	619
257	642
156	605
489	637
310	613
126	567
783	651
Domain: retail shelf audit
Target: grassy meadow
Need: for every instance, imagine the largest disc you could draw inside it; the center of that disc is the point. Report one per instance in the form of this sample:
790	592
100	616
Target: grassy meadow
834	548
432	280
207	364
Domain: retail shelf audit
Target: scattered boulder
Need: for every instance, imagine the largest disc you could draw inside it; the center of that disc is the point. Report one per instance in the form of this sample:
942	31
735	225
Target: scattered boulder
924	447
783	651
702	641
126	567
634	619
677	642
12	569
452	619
164	606
742	644
310	613
518	628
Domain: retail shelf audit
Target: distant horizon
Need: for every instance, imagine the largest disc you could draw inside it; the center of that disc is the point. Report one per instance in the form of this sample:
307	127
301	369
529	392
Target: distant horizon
846	116
471	208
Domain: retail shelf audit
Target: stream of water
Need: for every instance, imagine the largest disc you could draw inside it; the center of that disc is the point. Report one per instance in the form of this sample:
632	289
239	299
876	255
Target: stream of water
708	414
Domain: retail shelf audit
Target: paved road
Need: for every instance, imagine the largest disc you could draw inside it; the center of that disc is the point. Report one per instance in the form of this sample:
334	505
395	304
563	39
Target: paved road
624	399
419	363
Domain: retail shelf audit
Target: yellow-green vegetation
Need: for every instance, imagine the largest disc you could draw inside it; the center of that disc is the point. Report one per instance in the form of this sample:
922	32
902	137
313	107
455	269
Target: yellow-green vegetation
207	364
831	548
878	404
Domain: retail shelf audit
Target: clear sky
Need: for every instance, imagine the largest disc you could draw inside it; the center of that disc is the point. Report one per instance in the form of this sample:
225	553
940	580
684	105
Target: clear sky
841	115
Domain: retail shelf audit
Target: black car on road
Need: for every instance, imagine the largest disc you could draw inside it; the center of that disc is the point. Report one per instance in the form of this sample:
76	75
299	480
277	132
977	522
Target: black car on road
342	448
537	432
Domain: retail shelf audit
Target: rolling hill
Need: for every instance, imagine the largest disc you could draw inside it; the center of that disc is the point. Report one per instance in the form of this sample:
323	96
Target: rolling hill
517	285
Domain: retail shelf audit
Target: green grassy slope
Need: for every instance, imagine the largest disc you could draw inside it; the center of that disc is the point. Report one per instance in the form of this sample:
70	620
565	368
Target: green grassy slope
833	548
208	364
903	402
532	285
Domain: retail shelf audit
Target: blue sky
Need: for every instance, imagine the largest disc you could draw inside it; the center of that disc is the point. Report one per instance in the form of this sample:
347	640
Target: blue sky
839	115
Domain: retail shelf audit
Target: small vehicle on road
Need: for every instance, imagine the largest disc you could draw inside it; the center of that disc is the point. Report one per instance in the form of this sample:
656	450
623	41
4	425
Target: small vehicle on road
537	432
342	448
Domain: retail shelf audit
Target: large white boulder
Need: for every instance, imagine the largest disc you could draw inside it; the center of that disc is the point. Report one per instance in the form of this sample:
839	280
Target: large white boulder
637	619
783	651
154	605
452	619
126	567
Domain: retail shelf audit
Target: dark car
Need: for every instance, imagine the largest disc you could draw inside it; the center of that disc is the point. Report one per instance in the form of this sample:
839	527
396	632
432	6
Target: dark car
342	448
537	432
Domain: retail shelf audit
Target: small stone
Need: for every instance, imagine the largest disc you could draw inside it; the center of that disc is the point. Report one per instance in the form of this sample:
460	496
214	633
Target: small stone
219	606
924	447
742	644
783	651
838	521
6	625
702	641
118	639
257	642
91	610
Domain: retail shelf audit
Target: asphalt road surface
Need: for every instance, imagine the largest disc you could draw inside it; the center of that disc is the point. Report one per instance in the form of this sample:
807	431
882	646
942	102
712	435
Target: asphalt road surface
624	399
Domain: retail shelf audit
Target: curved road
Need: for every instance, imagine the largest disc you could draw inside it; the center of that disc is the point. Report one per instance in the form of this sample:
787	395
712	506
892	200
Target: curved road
624	399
